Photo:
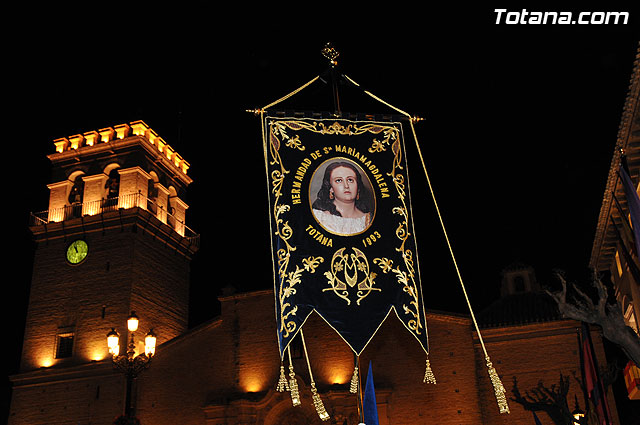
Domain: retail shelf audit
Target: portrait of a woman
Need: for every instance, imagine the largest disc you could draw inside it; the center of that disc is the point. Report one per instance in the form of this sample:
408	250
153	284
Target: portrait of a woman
344	204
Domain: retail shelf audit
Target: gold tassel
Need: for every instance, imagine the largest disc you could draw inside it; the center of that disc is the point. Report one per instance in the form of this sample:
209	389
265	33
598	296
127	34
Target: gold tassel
353	389
498	388
429	377
283	385
317	402
293	387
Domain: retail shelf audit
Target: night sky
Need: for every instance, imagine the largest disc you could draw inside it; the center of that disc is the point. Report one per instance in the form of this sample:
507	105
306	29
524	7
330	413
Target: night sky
520	123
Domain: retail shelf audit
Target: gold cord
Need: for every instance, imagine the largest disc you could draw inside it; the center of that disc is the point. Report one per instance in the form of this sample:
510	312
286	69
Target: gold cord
377	98
293	93
424	167
306	356
411	120
495	379
293	384
493	374
317	401
498	387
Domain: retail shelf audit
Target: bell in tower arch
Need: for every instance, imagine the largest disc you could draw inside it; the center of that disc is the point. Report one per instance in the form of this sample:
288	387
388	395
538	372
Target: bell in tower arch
75	197
112	187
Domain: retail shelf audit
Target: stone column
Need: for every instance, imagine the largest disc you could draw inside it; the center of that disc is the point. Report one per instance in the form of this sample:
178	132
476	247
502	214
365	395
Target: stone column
134	187
179	213
93	193
58	193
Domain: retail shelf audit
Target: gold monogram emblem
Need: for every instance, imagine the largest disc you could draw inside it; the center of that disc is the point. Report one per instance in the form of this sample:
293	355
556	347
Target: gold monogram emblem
349	271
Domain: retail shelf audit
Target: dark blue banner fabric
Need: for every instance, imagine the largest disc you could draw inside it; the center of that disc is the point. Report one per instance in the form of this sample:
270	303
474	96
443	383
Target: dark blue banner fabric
342	231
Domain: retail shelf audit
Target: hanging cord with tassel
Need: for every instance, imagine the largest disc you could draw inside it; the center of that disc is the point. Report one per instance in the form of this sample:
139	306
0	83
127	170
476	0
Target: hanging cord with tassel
317	401
359	391
353	388
429	377
493	374
293	384
283	384
495	379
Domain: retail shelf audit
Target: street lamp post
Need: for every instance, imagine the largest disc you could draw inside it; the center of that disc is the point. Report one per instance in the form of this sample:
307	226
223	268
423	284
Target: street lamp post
129	363
577	413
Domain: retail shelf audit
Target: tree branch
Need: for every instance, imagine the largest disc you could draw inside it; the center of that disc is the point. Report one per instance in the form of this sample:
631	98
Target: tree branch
551	400
606	315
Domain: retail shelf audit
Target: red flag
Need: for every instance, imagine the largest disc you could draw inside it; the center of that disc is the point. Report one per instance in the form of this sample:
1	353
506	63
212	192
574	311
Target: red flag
592	381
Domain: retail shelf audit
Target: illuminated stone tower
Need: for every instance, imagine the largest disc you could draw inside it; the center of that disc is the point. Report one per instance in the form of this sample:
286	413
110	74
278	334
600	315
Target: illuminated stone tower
113	240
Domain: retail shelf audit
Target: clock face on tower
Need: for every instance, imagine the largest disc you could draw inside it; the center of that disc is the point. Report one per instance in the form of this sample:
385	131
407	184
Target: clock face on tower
77	251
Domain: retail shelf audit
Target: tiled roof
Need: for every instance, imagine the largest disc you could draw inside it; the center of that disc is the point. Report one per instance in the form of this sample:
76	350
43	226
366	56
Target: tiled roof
519	309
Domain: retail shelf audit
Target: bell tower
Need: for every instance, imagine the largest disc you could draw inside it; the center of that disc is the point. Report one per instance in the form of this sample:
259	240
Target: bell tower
518	278
113	240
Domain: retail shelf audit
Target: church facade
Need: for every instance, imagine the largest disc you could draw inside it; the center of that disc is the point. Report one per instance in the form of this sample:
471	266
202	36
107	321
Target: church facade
114	240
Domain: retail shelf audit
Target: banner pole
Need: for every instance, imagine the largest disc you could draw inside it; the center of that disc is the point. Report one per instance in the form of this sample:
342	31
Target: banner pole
360	399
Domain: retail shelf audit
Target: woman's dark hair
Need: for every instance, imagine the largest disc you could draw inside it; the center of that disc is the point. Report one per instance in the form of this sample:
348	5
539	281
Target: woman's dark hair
325	203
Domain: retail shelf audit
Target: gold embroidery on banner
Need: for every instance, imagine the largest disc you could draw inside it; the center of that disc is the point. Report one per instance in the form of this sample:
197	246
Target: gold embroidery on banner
336	128
291	280
288	279
405	277
278	133
354	270
312	263
356	264
391	135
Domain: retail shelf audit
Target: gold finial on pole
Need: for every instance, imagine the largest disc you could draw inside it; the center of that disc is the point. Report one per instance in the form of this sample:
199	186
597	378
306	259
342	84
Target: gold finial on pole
330	53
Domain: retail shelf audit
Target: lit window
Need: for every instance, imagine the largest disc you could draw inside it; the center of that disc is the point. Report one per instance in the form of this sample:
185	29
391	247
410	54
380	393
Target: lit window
618	264
630	318
64	345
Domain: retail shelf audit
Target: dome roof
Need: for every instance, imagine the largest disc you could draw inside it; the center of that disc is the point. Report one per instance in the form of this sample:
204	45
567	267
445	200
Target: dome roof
519	309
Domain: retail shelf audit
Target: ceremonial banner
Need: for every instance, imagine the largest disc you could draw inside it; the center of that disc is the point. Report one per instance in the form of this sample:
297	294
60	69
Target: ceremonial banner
342	231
